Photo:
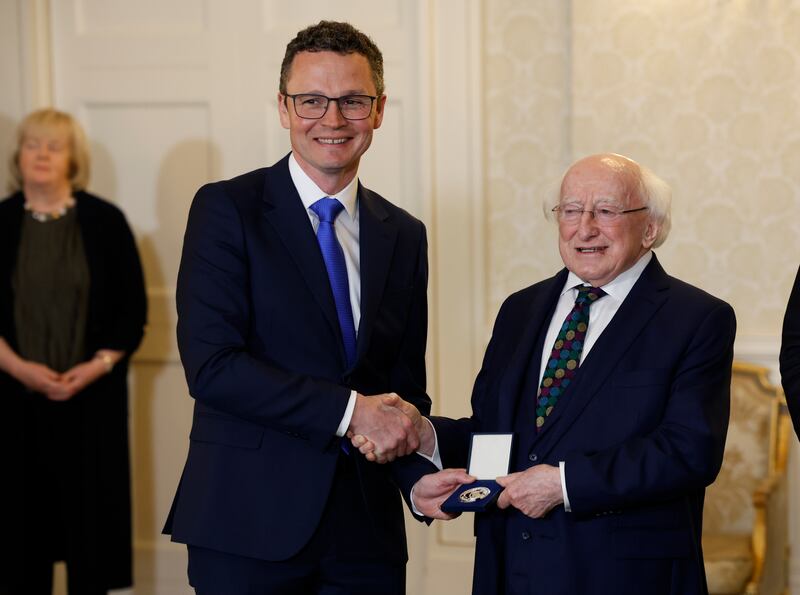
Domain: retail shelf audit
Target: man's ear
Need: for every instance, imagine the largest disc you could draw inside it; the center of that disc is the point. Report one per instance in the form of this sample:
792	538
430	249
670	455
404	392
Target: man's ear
650	233
283	110
379	111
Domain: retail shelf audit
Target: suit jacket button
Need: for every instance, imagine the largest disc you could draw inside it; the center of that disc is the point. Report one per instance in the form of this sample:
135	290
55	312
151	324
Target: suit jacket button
525	536
533	457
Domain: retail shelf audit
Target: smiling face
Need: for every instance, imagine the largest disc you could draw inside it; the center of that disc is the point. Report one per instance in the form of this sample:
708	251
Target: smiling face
329	149
596	253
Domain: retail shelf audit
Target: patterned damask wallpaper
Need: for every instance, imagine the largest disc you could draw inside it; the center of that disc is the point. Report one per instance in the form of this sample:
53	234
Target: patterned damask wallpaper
705	93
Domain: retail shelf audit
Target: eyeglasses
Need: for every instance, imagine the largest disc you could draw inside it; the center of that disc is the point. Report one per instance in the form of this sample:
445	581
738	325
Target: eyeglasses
34	144
313	107
603	215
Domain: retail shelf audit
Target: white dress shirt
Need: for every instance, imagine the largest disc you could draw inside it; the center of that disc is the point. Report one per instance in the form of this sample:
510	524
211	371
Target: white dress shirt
601	313
347	232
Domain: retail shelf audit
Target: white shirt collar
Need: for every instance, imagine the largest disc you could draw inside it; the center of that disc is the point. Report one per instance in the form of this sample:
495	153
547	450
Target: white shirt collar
310	193
619	286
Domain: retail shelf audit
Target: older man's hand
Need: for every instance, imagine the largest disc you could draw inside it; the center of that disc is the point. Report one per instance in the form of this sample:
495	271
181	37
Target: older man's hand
431	490
534	492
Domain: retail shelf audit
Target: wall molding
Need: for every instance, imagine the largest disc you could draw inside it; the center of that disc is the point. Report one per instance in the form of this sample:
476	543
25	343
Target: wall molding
458	222
36	53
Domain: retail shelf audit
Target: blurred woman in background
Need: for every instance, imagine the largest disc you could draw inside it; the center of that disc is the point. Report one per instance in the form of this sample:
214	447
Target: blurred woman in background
72	311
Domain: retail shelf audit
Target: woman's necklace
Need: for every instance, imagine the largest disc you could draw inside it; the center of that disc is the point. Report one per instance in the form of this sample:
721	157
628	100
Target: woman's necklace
51	215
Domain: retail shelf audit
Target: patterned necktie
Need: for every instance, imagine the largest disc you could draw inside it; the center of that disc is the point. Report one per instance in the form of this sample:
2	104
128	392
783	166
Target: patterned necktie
327	209
566	354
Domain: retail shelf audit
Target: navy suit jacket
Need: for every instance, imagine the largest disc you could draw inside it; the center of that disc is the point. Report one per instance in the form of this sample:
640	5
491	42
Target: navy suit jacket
641	431
790	354
264	360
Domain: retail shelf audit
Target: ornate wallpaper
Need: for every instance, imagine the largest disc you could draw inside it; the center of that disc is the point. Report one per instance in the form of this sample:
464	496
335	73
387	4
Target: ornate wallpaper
704	93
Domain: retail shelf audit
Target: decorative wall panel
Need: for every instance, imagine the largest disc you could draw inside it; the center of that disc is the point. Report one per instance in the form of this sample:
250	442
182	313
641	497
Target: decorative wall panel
114	17
705	94
285	14
527	115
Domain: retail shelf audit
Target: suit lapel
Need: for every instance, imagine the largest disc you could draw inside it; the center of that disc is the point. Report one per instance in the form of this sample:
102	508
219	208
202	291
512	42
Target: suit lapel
284	211
645	298
377	236
525	352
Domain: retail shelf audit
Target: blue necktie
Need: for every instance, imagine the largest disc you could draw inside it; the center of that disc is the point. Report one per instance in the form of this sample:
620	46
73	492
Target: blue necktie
327	209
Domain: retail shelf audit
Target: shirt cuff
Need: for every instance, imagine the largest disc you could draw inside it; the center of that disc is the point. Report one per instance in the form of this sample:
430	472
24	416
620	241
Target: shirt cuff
348	415
435	458
561	466
414	508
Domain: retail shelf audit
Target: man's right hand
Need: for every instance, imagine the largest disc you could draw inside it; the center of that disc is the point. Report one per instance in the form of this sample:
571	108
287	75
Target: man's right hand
424	429
431	490
390	431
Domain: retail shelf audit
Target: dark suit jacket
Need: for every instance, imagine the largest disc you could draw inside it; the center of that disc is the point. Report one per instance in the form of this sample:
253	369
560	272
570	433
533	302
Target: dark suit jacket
790	354
264	360
641	431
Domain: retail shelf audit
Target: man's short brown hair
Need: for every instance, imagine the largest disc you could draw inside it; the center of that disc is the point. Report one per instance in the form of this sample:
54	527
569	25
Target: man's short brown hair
334	36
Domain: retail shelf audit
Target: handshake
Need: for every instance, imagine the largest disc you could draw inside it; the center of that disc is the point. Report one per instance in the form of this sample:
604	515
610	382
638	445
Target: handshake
384	427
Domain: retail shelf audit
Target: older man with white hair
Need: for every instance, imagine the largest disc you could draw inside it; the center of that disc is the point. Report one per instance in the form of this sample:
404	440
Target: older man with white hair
614	379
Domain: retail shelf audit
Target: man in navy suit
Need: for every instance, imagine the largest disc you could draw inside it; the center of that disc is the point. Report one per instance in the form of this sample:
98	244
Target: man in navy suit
283	333
608	478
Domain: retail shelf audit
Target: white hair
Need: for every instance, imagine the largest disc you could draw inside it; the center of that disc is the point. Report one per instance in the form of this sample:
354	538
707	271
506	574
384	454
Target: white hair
657	196
655	193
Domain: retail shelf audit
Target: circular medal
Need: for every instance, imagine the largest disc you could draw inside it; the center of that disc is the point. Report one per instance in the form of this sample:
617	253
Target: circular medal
474	494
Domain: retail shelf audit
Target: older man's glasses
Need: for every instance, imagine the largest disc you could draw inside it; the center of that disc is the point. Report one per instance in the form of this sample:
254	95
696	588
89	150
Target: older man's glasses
572	214
313	107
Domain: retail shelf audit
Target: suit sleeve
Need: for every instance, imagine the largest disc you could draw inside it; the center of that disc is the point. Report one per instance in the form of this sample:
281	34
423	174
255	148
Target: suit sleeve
684	452
214	317
408	377
790	354
454	434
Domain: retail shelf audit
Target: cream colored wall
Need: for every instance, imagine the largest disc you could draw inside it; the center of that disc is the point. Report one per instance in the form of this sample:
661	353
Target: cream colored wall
705	93
527	115
10	103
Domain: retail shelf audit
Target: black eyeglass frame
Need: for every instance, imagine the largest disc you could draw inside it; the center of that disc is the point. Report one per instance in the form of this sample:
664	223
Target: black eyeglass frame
557	209
338	101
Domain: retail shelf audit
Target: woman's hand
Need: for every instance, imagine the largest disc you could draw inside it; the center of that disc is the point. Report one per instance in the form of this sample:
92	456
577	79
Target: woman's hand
36	377
32	375
77	378
57	387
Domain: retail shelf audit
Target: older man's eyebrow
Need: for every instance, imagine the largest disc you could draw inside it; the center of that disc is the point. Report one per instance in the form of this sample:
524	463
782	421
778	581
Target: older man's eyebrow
603	200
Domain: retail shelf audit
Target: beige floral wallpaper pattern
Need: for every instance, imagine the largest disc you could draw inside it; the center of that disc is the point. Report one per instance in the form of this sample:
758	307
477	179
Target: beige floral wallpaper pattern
705	93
